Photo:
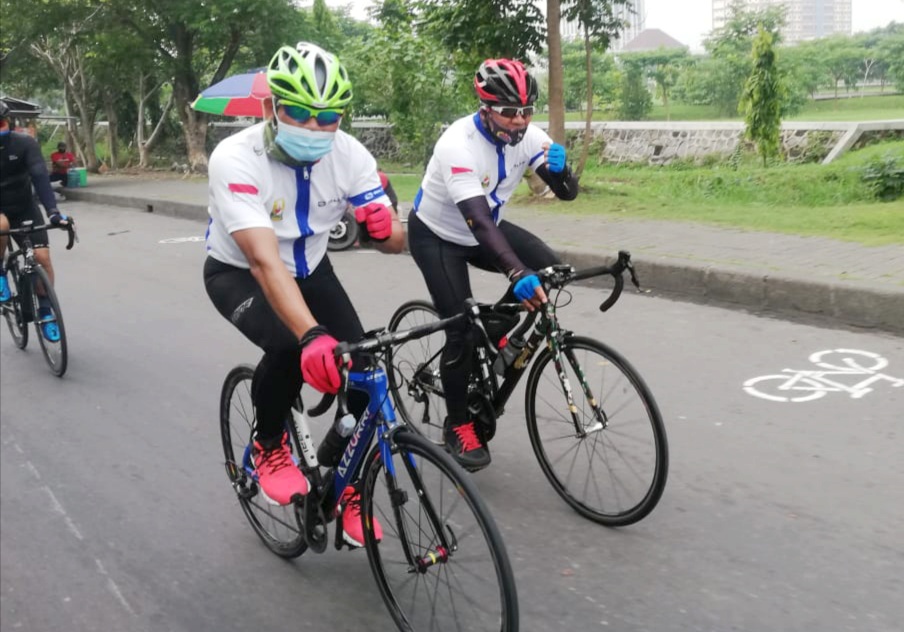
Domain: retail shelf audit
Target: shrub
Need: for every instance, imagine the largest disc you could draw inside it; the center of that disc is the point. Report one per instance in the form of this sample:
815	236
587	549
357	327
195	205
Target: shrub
885	178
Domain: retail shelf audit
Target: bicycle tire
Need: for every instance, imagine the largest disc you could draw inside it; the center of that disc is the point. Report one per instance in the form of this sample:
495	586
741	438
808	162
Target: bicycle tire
477	564
14	311
415	385
55	352
634	431
278	526
344	234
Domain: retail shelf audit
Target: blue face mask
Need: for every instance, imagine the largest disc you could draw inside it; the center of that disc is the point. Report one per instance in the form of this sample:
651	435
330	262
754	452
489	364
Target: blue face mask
304	145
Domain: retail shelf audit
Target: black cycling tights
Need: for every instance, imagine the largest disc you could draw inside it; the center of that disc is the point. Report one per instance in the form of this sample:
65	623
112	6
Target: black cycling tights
277	379
445	269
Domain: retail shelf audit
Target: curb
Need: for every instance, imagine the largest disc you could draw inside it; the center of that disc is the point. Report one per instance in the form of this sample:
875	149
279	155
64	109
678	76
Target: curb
834	304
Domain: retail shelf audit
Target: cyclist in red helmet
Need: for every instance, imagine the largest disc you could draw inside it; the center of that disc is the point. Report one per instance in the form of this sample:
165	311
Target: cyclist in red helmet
458	220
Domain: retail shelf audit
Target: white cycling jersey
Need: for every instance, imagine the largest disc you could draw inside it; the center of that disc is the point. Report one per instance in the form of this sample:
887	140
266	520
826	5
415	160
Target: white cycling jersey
248	189
466	163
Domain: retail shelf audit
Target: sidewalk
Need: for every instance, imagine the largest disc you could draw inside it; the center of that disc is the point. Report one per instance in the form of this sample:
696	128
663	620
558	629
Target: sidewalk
844	284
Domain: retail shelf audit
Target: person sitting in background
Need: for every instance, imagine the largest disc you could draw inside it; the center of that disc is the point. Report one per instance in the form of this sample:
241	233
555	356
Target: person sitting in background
61	160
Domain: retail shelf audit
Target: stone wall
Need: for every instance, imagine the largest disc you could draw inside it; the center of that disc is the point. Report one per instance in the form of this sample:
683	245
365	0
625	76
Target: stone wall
662	143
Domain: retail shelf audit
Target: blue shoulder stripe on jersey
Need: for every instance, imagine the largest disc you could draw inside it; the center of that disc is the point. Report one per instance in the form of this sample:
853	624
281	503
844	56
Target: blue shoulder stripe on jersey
418	198
534	158
207	232
368	196
302	209
479	125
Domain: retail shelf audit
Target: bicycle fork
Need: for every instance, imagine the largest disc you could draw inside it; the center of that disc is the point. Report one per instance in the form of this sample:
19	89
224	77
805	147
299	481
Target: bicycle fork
602	421
443	550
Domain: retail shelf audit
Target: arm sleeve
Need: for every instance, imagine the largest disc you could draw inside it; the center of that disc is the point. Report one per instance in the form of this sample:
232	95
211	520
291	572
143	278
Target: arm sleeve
38	172
366	185
563	184
476	212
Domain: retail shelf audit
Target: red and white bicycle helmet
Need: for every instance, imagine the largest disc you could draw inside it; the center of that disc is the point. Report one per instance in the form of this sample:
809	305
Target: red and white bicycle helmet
505	82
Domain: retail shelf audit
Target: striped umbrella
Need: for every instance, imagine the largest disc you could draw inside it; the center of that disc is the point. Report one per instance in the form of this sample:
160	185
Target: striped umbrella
238	95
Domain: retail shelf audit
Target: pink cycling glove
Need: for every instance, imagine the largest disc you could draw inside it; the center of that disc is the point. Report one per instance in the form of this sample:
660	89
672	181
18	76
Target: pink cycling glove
377	219
318	365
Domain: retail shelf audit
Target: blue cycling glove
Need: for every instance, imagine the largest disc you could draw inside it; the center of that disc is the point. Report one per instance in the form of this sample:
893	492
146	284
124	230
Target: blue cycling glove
56	218
525	286
555	158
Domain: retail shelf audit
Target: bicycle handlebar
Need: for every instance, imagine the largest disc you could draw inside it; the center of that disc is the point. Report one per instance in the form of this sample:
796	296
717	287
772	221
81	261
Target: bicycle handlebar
29	227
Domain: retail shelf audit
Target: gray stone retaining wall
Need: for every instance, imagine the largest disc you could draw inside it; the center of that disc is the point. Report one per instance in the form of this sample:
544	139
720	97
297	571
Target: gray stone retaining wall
663	143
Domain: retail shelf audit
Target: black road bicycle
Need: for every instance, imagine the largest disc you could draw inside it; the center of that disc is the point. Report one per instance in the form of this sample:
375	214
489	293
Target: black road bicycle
441	563
593	423
27	280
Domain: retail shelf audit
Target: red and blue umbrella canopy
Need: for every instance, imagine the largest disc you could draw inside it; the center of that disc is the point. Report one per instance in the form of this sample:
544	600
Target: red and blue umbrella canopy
238	95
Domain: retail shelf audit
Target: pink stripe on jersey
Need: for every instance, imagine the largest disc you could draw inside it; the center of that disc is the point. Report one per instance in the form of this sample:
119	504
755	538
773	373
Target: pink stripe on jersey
456	170
242	188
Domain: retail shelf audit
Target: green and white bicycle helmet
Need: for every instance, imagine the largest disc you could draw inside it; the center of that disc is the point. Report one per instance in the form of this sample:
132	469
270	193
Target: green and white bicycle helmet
310	76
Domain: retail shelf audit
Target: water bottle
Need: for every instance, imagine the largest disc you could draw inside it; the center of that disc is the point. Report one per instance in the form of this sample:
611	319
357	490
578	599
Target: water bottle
507	354
330	450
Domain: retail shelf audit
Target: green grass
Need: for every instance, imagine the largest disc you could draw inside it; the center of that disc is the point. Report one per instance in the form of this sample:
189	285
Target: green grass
829	201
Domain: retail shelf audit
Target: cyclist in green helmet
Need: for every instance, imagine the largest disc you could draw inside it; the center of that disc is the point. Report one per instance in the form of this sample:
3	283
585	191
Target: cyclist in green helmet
276	190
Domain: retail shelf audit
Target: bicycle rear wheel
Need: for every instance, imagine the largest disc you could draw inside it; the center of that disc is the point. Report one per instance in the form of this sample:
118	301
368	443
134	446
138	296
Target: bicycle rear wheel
279	527
441	564
614	470
413	369
14	309
55	351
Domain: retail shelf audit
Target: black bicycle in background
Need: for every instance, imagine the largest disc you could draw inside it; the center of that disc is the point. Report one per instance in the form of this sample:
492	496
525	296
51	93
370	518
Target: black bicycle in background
28	282
593	423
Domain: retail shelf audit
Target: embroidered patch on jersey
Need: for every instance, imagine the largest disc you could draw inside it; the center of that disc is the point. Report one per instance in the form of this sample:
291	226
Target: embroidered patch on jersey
236	187
457	170
277	210
485	181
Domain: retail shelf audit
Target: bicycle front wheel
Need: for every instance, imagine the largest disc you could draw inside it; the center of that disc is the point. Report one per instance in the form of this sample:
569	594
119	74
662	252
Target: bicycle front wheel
14	309
278	526
413	370
612	466
53	343
441	563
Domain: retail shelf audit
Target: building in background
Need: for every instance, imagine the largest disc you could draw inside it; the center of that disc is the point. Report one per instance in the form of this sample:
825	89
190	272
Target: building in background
805	19
632	14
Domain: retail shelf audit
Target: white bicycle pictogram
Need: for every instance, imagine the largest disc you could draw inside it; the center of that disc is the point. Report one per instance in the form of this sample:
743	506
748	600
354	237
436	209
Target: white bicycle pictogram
806	385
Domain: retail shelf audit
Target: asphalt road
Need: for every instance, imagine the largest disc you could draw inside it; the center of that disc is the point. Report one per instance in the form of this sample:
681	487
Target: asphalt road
115	513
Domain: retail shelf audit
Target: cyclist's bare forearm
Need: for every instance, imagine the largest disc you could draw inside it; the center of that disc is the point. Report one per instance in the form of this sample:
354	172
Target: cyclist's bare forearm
563	184
260	248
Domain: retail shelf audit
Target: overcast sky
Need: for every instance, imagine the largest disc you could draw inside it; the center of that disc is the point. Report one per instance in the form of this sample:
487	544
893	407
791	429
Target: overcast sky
689	21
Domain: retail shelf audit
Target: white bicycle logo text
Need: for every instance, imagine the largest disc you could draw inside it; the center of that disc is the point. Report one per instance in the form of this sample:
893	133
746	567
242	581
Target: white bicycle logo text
837	368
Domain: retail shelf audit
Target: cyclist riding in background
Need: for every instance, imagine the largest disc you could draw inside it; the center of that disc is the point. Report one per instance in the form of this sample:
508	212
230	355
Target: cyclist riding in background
276	190
21	166
457	220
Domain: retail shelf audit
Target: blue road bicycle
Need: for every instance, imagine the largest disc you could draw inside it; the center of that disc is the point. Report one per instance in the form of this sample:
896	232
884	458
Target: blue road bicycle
441	563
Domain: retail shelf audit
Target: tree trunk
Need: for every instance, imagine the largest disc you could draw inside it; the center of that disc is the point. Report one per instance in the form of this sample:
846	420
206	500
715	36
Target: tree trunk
112	135
145	145
556	70
588	129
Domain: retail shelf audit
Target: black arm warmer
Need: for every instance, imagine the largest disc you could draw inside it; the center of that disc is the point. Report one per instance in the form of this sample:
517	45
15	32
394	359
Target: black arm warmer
563	184
38	171
476	212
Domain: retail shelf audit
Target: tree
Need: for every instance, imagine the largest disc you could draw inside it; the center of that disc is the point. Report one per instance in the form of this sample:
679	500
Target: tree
196	40
634	100
730	46
664	67
599	25
763	98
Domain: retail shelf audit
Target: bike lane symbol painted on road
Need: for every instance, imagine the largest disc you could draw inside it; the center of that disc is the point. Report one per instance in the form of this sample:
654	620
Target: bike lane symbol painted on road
850	371
182	240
